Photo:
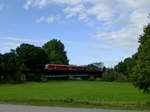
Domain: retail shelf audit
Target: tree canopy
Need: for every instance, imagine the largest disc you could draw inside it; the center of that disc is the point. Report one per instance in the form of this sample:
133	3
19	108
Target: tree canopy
137	68
125	67
141	74
56	52
30	57
9	61
33	57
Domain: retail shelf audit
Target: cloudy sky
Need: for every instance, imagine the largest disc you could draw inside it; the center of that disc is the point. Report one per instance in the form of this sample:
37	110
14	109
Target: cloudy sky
92	30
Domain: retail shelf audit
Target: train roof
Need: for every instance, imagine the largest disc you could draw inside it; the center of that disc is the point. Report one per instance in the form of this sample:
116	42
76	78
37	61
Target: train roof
64	65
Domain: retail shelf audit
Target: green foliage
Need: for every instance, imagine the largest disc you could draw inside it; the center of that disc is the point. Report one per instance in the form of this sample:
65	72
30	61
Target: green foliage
32	57
137	68
33	77
112	75
17	77
126	67
108	75
98	79
121	78
1	63
9	61
95	66
56	53
141	74
92	67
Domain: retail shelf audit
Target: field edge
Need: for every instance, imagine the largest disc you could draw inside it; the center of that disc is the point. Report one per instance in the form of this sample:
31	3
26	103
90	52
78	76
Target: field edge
81	104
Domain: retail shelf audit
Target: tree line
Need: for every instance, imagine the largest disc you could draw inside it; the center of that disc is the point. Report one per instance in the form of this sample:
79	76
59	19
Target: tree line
29	57
135	68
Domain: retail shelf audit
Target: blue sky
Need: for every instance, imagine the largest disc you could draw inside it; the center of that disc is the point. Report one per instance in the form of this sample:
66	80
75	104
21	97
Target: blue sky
92	30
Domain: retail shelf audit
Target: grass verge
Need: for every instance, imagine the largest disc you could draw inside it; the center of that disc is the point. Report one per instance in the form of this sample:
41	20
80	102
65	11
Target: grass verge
82	104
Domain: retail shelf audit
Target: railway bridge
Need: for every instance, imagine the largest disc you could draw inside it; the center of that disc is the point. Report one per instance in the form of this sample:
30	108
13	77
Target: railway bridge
44	73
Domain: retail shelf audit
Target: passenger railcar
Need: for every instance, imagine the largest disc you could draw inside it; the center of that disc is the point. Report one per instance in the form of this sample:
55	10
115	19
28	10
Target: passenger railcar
64	67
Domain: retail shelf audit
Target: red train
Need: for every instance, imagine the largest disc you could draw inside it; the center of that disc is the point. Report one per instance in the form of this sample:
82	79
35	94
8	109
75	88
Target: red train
64	67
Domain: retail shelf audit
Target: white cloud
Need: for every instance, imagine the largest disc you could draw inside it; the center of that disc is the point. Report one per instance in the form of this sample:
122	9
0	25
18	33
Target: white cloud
11	45
73	11
6	46
130	14
79	11
43	3
128	36
133	4
21	39
28	3
90	45
101	11
49	19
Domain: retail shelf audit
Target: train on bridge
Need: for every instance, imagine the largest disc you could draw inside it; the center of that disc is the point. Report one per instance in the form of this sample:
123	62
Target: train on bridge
55	70
64	67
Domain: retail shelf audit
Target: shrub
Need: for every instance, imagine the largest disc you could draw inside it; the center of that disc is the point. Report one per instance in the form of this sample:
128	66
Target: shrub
98	79
112	75
17	77
33	77
109	75
121	78
91	78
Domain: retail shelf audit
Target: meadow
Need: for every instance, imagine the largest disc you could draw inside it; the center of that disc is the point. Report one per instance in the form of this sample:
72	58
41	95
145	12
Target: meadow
93	94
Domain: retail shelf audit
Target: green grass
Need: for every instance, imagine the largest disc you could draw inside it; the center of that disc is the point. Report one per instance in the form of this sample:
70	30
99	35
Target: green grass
77	94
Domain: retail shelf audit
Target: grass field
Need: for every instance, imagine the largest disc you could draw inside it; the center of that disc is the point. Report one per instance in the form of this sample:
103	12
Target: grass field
77	94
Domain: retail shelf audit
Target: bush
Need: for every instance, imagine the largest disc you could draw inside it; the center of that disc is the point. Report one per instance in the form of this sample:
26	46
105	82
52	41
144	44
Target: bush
109	75
98	79
112	75
121	78
91	78
33	77
14	77
17	77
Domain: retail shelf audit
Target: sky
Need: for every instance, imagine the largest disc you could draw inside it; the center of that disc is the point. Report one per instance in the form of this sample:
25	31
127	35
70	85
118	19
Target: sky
91	30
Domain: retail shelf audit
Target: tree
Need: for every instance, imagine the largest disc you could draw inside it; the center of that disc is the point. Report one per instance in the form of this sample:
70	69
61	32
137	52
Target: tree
96	66
56	53
121	67
9	61
111	75
141	74
1	61
126	67
31	56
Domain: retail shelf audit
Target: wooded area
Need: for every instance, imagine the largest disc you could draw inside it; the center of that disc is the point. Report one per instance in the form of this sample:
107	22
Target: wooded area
137	67
30	57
